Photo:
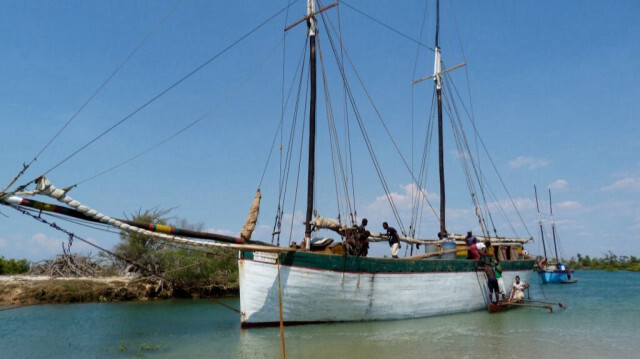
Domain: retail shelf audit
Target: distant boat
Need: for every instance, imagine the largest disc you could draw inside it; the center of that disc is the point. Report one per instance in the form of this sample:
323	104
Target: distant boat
554	270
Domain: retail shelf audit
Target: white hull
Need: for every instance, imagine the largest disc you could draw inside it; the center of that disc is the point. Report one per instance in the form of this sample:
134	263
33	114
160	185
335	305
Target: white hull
319	295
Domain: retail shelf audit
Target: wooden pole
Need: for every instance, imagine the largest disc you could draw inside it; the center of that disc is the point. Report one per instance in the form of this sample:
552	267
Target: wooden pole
434	254
312	122
531	305
437	78
559	304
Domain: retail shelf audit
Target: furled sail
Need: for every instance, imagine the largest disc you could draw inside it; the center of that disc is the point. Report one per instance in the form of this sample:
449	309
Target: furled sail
252	218
44	187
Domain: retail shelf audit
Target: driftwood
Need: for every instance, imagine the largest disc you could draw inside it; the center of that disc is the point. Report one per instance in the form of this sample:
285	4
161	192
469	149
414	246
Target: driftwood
68	265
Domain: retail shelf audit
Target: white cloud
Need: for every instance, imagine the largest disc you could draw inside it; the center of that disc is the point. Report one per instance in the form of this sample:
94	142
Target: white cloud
569	205
627	183
41	243
401	200
528	162
462	155
507	206
559	184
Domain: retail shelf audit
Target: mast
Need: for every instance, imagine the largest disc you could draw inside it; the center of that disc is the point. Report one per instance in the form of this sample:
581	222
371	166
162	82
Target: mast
437	78
553	227
544	248
311	25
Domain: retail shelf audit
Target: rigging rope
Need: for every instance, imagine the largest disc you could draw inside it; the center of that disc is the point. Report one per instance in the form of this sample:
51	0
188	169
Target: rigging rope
479	174
95	93
188	126
125	260
279	127
71	235
350	216
415	198
386	26
386	130
284	173
336	155
171	87
366	138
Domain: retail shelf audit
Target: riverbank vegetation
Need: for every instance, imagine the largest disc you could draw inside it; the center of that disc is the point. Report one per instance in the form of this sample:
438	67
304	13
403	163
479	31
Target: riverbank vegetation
610	262
138	268
13	266
181	271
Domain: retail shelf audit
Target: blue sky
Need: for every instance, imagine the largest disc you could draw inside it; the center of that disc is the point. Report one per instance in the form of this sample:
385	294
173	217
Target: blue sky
553	87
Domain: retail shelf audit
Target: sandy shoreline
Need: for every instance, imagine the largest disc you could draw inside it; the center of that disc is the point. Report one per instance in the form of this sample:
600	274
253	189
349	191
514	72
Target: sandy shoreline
38	278
26	289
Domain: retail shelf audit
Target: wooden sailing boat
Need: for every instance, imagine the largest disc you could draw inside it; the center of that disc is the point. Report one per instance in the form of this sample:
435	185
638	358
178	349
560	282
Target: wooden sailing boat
320	283
551	271
307	286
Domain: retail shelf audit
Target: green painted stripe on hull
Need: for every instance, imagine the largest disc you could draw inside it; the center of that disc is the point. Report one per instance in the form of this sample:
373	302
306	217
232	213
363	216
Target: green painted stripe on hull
341	263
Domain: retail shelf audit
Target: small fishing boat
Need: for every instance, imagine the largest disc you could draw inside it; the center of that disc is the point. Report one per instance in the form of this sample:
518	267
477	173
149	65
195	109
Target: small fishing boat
568	281
500	306
554	270
531	303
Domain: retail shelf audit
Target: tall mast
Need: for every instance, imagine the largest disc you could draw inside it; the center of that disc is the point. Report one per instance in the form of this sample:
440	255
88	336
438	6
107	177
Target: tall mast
437	78
544	248
553	227
311	25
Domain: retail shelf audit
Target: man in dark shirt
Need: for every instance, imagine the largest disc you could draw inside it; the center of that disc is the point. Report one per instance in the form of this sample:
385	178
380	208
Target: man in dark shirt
492	282
394	240
470	240
363	238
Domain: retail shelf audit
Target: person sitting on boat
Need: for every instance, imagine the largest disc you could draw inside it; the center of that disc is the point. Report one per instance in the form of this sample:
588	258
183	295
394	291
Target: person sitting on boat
394	239
470	239
492	282
517	290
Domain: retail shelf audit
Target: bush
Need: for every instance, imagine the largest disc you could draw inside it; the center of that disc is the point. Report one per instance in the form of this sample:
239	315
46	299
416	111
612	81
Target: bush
189	270
610	262
13	266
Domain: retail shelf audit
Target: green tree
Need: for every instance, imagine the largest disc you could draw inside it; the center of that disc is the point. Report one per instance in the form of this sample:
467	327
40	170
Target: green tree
185	270
12	266
140	249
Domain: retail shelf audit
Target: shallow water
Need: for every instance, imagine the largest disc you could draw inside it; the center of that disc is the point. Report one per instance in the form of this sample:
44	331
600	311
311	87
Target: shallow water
602	321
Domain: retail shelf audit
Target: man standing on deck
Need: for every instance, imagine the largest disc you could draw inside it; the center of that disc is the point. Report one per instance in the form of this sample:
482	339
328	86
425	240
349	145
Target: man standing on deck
470	240
394	240
363	238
